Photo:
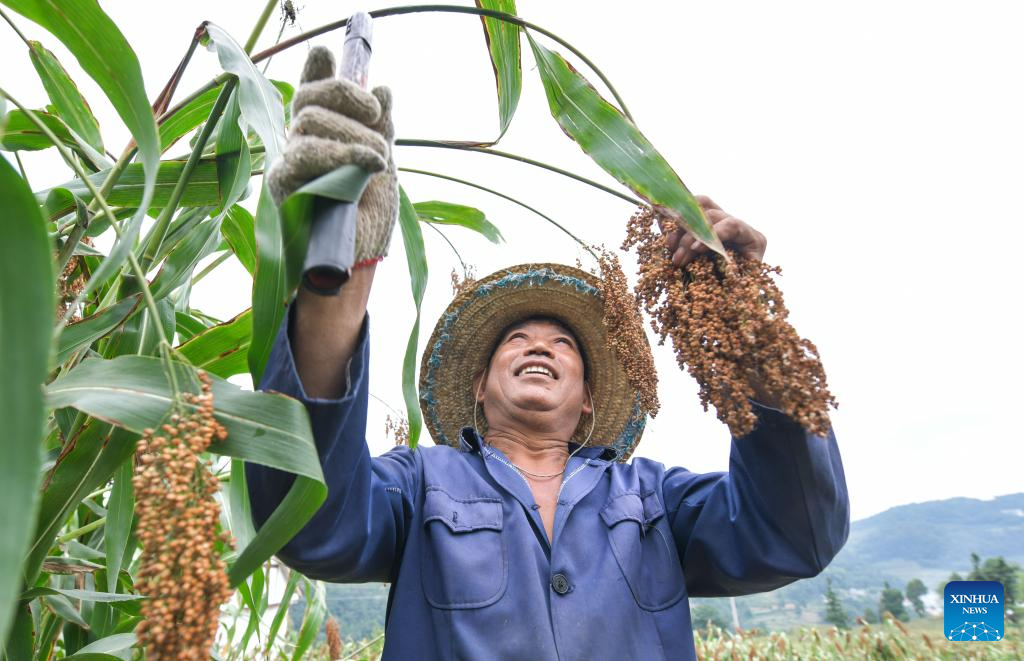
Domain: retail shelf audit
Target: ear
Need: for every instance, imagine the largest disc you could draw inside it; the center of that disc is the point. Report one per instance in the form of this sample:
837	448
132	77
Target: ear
588	403
478	381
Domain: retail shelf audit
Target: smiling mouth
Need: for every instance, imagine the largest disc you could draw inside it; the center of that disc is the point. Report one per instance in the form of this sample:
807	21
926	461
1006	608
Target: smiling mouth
536	369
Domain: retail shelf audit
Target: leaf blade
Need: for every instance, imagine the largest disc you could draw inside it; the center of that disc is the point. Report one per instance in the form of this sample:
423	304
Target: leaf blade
503	46
65	95
614	143
26	315
447	213
416	257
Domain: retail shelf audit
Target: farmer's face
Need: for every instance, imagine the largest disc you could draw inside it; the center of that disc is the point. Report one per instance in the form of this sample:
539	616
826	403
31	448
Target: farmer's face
535	376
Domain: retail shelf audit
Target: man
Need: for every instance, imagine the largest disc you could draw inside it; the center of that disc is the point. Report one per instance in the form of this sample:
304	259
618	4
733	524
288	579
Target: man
522	534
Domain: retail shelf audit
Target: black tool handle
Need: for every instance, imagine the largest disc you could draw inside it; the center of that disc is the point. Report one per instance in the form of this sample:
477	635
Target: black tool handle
332	235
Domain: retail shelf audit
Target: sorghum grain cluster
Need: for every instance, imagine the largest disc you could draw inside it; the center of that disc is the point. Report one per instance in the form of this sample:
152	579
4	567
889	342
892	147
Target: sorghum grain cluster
181	571
625	332
461	283
397	428
727	322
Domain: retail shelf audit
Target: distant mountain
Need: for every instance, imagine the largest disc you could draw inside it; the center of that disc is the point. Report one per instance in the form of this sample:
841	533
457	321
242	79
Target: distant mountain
926	540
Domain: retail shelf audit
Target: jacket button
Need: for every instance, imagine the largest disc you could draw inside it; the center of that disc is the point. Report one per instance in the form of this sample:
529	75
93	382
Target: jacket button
559	583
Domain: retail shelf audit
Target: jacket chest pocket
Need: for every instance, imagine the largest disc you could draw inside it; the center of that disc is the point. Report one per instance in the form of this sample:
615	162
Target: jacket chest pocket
644	548
463	563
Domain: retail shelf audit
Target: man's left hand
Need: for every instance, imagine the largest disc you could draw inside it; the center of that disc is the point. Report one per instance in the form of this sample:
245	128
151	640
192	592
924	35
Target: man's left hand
732	232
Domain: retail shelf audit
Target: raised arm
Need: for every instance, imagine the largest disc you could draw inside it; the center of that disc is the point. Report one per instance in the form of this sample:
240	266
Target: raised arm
321	353
781	512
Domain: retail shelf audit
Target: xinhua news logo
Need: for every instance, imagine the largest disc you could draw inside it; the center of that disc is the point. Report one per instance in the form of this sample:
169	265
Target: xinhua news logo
973	610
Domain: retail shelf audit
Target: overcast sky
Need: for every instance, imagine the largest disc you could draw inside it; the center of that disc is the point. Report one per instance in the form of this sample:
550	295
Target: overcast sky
878	145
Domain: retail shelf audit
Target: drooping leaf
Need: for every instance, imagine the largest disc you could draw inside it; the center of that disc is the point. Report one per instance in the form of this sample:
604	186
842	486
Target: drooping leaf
261	104
221	349
106	56
120	513
239	230
265	428
234	164
294	578
64	609
415	253
203	188
65	96
198	109
187	325
616	144
503	43
26	318
446	213
88	330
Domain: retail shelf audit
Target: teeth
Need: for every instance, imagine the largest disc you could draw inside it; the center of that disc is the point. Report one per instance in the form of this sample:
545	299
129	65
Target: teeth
537	369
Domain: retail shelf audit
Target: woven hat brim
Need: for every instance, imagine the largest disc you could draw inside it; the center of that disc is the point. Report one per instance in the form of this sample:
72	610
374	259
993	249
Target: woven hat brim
466	333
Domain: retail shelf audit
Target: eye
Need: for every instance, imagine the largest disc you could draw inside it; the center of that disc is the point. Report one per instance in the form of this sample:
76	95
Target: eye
566	341
516	335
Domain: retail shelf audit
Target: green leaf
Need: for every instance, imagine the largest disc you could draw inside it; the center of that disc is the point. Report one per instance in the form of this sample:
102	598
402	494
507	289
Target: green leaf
83	595
446	213
261	104
132	392
265	428
104	54
312	619
26	319
616	144
203	188
88	330
64	609
188	326
234	165
412	237
96	453
221	349
269	294
182	260
239	230
116	643
21	133
239	507
503	43
120	514
198	109
286	598
65	96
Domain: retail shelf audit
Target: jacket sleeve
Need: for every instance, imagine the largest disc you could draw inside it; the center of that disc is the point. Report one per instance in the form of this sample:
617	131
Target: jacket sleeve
359	531
781	512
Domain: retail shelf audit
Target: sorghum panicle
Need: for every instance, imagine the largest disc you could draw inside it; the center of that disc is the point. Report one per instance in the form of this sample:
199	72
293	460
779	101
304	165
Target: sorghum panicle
625	332
181	571
727	322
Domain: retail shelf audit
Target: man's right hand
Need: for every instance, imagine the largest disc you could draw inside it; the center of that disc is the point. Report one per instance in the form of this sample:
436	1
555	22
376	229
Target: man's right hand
335	123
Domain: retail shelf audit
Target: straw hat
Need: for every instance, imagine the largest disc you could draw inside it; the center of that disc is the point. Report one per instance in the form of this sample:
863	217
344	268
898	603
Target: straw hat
467	332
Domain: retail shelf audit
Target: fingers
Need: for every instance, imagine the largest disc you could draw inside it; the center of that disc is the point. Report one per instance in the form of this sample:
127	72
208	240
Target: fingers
707	203
319	65
308	157
384	126
322	123
340	96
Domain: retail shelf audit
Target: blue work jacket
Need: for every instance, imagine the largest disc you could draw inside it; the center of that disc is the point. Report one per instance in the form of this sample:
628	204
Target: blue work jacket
473	576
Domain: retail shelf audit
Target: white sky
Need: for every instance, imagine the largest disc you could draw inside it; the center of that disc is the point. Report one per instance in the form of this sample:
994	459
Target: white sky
878	145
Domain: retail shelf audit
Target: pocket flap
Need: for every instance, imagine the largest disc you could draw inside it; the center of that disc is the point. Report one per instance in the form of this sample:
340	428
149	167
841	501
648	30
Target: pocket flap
631	507
462	514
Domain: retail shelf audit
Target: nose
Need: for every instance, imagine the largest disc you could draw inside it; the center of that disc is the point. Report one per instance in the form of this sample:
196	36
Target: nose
539	347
